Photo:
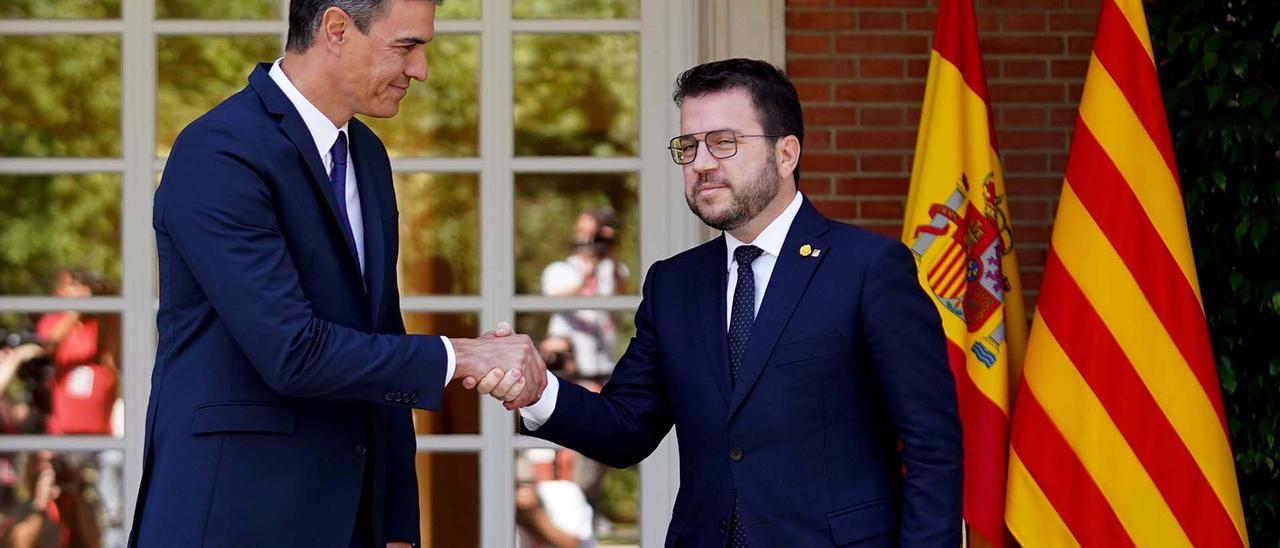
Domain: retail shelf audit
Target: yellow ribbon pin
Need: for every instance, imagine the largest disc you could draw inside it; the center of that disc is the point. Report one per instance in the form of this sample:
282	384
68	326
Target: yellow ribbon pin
805	250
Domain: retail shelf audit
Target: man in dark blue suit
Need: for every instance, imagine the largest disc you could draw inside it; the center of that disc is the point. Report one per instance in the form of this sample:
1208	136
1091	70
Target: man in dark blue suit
800	362
283	383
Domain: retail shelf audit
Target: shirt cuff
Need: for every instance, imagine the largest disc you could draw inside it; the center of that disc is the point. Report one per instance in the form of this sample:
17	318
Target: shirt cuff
539	413
452	362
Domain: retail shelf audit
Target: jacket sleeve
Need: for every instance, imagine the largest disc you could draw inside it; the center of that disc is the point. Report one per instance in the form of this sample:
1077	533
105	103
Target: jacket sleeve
218	210
907	347
631	415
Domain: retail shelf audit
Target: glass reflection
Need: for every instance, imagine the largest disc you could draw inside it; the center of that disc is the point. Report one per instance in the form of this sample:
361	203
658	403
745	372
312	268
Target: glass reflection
222	9
439	117
59	9
439	233
60	96
459	411
53	223
50	499
576	9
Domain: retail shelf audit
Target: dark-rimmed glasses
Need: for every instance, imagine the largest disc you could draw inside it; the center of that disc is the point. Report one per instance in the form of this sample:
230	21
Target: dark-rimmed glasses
721	143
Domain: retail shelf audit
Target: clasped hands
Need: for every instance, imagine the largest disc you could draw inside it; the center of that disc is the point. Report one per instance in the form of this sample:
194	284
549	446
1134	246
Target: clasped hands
502	364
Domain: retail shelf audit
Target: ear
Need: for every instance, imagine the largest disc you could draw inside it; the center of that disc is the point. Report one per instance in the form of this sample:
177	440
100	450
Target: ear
786	152
334	26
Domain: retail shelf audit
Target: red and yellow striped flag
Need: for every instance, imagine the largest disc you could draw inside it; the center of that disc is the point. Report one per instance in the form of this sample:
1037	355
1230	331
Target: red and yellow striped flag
957	225
1119	437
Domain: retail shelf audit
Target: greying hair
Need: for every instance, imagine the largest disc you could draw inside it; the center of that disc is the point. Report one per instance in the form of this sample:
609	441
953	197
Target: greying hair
305	17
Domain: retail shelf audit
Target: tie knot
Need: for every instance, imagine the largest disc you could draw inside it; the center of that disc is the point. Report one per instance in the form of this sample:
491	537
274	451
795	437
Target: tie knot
747	254
339	150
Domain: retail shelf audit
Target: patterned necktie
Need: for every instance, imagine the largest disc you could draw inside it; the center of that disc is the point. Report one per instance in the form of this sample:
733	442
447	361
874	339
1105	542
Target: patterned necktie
740	322
338	185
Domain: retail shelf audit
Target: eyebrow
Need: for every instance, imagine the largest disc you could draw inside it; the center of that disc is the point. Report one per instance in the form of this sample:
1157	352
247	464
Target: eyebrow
409	41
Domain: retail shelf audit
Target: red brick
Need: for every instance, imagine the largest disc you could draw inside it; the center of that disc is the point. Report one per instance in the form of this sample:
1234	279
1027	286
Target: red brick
913	116
1024	69
1024	162
882	43
1058	163
817	140
988	22
813	186
1072	69
1063	116
1028	185
1029	44
808	3
881	3
839	209
880	209
830	116
1029	210
991	67
1029	140
830	67
1024	117
1029	255
813	92
917	68
1068	22
1027	93
881	163
809	43
862	139
1074	91
1080	45
880	20
821	20
888	230
857	186
1029	303
882	117
833	162
871	92
1019	4
922	20
1023	21
881	68
1031	233
1088	5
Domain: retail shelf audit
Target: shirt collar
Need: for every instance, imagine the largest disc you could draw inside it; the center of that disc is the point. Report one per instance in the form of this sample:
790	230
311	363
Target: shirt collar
323	132
773	236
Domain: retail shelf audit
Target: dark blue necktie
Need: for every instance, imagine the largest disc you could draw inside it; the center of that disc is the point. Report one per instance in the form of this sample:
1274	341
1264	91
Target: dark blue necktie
740	322
338	185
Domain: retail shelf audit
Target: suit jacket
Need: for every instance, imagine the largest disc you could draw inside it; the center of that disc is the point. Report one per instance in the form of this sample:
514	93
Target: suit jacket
281	371
846	357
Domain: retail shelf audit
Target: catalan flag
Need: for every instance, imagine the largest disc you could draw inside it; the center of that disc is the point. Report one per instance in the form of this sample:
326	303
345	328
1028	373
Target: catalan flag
1118	435
957	225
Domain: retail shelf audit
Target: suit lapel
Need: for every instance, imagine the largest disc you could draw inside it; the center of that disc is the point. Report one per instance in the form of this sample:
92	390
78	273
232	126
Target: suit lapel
712	278
787	284
368	181
293	126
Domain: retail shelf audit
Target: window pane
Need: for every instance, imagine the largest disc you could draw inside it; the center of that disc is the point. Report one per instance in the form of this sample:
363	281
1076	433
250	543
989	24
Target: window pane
455	9
439	233
449	499
460	409
52	223
222	9
63	372
439	117
577	234
575	9
90	485
195	73
60	96
576	94
579	498
60	9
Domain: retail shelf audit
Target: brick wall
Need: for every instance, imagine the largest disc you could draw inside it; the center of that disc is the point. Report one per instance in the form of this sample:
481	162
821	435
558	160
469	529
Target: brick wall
860	68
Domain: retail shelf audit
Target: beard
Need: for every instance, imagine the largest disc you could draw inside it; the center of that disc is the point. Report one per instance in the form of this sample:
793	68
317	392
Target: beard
746	202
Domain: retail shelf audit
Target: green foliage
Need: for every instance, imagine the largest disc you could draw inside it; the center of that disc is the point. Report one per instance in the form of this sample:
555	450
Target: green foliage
1219	71
573	9
221	9
60	96
52	222
59	9
621	500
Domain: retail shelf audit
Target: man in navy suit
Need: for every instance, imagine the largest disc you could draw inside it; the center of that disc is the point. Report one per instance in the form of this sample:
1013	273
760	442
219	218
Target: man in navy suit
800	362
283	383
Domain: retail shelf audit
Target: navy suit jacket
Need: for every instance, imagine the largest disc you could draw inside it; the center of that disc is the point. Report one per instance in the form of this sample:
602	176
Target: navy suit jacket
281	371
846	358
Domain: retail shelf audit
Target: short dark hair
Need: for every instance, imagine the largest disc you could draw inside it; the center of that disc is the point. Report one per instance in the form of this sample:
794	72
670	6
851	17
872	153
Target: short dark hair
305	17
773	95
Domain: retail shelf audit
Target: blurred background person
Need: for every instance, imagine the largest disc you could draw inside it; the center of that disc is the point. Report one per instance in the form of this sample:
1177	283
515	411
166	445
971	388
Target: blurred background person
592	270
84	384
57	507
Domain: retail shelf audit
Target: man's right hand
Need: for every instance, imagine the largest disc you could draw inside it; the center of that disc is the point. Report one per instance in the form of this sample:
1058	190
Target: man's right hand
502	364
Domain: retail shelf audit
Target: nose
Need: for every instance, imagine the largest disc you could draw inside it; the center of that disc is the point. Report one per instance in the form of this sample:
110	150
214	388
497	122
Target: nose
703	161
417	68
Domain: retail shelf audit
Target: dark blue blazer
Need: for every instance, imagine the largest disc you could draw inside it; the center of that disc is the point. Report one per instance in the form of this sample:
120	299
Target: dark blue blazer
846	357
281	371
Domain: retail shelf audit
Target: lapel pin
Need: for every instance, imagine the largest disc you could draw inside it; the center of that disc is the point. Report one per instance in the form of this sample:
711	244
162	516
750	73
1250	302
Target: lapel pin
805	250
816	252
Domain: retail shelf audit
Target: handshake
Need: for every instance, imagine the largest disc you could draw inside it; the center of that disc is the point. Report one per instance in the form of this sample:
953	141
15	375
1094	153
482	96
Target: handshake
501	364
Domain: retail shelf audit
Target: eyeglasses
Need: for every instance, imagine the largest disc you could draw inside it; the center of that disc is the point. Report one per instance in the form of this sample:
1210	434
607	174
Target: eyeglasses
722	143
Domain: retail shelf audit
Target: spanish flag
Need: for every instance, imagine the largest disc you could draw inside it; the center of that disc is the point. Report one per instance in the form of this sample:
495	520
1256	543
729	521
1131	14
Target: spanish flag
957	226
1119	436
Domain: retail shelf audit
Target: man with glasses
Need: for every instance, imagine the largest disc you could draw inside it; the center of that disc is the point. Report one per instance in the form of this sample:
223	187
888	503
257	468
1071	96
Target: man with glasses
802	365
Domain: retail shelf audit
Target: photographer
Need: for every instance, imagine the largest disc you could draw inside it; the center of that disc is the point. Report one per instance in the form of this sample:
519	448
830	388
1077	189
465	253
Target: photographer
83	350
591	270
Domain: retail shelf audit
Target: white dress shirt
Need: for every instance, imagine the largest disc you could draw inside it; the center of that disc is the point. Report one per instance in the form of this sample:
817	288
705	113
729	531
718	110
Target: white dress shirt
324	134
770	241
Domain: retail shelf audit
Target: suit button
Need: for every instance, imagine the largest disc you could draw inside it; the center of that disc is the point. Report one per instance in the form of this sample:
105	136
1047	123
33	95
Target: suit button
361	449
735	454
390	395
414	398
724	527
